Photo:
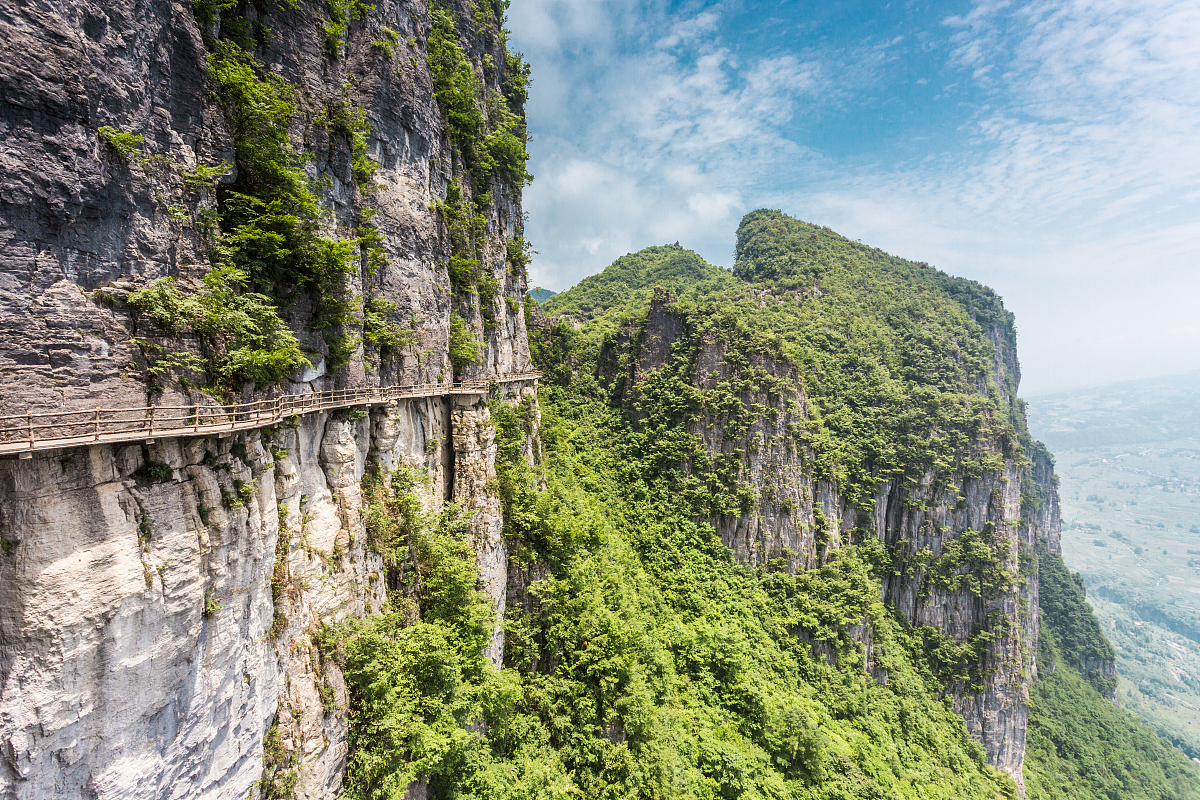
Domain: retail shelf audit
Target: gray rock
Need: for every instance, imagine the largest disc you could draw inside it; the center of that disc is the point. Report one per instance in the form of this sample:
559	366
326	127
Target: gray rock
136	653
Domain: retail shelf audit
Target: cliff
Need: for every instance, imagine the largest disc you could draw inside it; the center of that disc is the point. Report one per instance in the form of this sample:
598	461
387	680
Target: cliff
209	202
302	144
771	532
837	395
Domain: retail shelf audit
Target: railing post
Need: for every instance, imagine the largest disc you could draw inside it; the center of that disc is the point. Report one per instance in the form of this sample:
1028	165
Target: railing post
274	409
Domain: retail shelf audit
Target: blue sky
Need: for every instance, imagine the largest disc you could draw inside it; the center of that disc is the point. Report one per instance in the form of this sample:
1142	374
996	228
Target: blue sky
1048	149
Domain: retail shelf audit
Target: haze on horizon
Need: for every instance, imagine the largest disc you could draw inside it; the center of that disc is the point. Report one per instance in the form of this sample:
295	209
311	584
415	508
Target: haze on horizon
1046	149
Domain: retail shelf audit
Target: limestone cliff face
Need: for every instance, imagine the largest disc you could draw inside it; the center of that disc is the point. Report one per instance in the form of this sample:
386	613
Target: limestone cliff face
154	630
800	518
160	600
76	216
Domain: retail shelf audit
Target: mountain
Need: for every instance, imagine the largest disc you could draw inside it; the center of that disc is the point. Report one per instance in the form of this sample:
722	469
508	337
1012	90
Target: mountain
286	512
850	337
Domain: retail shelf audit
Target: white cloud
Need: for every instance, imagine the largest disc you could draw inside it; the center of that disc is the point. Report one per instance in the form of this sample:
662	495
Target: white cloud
648	135
713	206
1101	105
689	30
1083	160
1070	188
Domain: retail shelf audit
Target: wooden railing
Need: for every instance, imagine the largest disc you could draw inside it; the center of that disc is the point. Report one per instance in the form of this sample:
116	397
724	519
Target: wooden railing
47	430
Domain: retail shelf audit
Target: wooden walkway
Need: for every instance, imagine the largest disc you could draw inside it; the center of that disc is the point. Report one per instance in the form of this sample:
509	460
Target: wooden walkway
35	431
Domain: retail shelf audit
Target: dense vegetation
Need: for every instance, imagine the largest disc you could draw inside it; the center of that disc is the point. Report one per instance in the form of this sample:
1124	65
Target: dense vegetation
641	660
894	357
1078	636
1079	745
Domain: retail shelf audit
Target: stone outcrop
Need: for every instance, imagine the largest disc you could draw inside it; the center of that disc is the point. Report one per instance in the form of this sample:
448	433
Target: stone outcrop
155	628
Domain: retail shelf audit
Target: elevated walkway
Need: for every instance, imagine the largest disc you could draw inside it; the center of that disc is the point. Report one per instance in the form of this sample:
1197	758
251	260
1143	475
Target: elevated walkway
35	431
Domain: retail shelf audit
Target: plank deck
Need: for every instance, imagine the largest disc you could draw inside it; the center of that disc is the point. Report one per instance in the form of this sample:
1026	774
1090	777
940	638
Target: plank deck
36	431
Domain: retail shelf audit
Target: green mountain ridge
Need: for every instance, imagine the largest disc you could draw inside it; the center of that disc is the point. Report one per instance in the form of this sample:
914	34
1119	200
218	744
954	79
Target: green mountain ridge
700	602
626	290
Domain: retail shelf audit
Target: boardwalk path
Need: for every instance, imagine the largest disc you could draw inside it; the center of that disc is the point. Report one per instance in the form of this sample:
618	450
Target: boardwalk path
34	431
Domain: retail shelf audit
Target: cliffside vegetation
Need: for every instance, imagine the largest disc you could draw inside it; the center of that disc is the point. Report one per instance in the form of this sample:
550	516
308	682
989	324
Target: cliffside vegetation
893	356
486	129
1079	744
265	230
274	236
1130	491
1077	633
642	660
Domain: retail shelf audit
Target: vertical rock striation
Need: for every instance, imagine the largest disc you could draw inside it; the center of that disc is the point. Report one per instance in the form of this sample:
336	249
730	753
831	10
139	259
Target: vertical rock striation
161	601
752	405
82	224
155	629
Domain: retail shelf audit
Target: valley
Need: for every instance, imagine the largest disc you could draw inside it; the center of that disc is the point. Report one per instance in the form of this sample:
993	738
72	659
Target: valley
1128	458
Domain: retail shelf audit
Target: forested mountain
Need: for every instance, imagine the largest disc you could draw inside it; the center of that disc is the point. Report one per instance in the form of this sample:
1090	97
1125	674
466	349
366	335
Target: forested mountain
898	372
286	510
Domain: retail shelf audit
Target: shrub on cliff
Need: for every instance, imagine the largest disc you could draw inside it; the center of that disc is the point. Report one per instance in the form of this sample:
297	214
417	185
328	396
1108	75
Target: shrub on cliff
240	331
489	135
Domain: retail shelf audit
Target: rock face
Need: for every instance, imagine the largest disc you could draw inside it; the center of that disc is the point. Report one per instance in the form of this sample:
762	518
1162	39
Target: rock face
799	518
142	653
82	224
161	600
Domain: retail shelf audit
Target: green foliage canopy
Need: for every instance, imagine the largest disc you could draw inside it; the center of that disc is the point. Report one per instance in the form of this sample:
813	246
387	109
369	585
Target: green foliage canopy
644	663
892	357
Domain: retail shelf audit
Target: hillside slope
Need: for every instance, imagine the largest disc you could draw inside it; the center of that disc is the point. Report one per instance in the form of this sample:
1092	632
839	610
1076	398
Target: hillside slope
1129	457
828	394
827	398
